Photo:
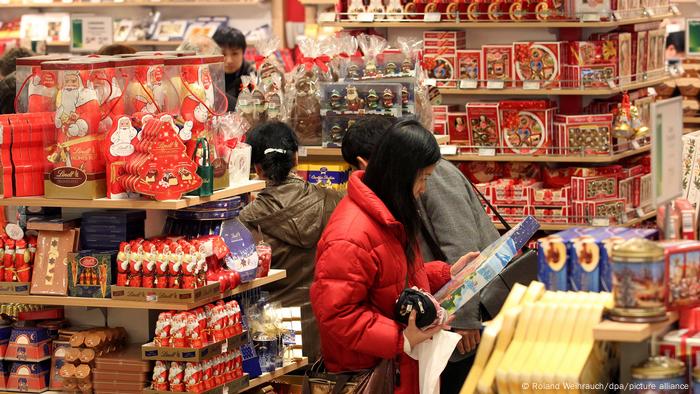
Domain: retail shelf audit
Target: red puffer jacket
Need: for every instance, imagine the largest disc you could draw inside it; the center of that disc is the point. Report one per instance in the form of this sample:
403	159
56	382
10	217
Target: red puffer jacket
360	272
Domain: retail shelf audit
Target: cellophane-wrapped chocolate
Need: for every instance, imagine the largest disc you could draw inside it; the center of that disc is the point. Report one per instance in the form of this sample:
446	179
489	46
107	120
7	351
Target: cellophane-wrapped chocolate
274	98
230	130
266	63
303	94
346	46
371	46
245	105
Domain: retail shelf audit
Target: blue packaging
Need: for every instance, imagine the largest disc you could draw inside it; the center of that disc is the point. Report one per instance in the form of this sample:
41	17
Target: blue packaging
606	247
552	259
585	257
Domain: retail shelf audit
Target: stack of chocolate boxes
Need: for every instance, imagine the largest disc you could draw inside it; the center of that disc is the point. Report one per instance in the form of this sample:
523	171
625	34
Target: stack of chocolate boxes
29	350
578	259
105	230
440	52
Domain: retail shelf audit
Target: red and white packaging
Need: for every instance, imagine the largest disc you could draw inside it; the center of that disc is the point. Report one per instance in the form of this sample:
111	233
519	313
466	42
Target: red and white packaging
469	65
163	328
550	197
512	192
457	128
441	39
594	188
526	125
582	134
554	215
538	62
193	377
176	376
497	64
160	376
484	125
178	330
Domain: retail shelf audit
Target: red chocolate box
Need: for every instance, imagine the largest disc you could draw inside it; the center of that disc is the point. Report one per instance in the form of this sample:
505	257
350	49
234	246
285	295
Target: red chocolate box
29	377
484	124
497	63
538	62
457	128
594	188
526	126
469	64
583	134
550	197
441	68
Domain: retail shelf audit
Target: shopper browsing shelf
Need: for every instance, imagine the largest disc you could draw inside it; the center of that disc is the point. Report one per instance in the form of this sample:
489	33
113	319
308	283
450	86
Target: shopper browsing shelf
367	253
453	223
233	46
291	214
8	81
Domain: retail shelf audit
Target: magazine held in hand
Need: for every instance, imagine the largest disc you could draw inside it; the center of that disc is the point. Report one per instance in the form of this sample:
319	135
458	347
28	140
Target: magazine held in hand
492	260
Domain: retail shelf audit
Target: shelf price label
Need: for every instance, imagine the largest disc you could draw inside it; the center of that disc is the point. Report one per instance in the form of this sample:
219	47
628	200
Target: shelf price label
326	17
432	17
495	85
487	152
365	17
600	222
468	84
224	347
651	91
151	298
448	150
225	390
649	12
303	152
636	145
675	10
430	82
640	212
612	84
616	16
590	18
531	85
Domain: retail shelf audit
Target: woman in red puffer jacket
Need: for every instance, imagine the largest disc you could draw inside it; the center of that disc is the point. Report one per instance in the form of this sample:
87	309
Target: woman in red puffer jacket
366	253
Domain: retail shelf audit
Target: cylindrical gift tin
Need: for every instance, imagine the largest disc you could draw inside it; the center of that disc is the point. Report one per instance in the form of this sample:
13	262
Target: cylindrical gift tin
659	375
638	281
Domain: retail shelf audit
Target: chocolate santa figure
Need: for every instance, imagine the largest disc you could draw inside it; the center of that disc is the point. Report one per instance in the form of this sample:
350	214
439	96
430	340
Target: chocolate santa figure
149	260
176	375
123	263
160	377
199	99
122	138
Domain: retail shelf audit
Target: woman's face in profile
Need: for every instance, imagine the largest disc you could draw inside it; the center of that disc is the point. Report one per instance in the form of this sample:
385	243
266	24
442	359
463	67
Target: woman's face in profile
421	179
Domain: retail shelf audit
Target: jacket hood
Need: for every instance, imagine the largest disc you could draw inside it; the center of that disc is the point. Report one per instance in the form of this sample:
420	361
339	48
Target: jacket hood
291	211
369	202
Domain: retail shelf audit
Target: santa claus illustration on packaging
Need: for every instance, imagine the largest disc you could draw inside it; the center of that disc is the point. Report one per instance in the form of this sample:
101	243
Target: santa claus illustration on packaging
76	106
41	91
199	98
76	120
150	93
122	138
109	94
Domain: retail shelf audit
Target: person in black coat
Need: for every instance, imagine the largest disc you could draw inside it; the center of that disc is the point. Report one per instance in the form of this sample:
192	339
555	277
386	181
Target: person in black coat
233	46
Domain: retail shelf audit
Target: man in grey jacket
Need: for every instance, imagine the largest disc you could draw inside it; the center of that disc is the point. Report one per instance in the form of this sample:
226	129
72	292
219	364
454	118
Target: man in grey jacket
454	223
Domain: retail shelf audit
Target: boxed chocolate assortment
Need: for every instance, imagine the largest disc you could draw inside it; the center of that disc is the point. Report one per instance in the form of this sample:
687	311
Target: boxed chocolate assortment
91	274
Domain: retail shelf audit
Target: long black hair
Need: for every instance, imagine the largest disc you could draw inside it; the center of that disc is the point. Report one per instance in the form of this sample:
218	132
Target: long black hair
274	147
404	150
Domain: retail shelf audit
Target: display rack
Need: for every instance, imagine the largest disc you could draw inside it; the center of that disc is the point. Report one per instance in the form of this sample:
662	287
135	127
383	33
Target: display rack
545	158
130	43
613	331
104	203
460	25
275	275
563	226
269	376
649	82
111	4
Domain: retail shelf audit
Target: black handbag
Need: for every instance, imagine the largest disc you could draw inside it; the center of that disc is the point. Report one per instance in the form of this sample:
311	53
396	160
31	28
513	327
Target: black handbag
410	300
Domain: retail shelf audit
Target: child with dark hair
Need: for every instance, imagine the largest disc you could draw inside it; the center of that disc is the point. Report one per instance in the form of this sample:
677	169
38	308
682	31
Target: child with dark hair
233	45
290	214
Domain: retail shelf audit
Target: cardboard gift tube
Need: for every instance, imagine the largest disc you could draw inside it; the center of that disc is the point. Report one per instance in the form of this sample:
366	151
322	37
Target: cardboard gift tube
95	340
77	339
83	372
87	356
72	356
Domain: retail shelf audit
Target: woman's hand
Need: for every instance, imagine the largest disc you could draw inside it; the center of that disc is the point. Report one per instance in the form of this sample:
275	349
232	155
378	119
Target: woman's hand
463	262
416	336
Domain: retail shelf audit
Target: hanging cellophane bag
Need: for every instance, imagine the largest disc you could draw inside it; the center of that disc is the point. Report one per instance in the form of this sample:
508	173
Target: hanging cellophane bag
346	47
266	64
230	132
304	95
275	99
244	105
371	46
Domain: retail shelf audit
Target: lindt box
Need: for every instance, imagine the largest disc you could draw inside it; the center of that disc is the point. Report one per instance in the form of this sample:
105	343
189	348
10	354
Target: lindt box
497	63
29	344
29	377
484	124
90	274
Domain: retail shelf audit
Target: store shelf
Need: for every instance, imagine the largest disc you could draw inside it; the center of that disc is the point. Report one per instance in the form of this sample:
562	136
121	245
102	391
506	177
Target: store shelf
130	43
274	276
613	331
549	158
415	24
310	152
554	92
242	188
269	376
561	227
85	4
317	2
